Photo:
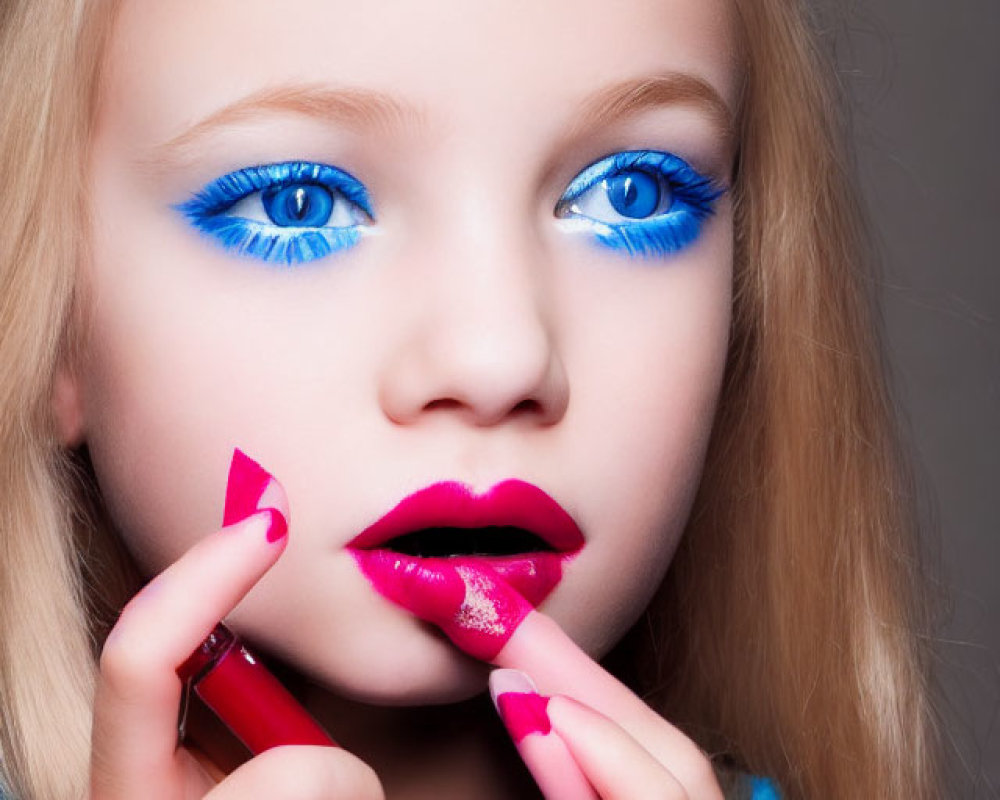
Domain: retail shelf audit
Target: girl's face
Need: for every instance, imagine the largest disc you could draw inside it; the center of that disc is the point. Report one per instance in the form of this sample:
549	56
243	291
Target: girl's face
444	242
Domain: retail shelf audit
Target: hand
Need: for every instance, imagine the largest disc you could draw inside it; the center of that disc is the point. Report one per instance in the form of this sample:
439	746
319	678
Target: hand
591	737
134	747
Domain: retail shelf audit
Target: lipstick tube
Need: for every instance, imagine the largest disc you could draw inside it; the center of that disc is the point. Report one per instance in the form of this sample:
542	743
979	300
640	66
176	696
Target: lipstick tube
251	702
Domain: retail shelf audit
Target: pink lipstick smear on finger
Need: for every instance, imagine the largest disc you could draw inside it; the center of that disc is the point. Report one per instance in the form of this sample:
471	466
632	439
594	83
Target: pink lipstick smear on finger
485	558
465	598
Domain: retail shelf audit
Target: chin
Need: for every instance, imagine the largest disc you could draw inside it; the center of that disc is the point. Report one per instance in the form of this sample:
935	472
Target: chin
394	660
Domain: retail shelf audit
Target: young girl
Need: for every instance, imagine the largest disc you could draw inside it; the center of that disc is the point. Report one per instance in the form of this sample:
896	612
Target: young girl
555	305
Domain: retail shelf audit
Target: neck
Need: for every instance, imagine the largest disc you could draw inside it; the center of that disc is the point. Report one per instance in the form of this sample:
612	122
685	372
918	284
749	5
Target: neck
442	752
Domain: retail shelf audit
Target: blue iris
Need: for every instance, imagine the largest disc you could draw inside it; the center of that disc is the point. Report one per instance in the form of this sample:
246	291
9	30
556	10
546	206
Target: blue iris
287	213
303	205
645	203
634	193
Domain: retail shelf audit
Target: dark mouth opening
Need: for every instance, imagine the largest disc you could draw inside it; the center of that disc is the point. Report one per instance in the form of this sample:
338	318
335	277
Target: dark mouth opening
493	540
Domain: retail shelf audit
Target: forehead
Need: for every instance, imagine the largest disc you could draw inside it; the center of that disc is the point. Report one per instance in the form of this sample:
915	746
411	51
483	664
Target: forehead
453	59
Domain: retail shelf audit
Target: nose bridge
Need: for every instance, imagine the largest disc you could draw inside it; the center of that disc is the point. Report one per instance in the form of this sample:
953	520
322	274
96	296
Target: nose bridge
481	339
492	282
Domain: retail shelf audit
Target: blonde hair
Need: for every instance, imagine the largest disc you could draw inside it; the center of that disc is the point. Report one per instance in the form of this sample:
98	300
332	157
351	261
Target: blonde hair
788	624
48	67
792	626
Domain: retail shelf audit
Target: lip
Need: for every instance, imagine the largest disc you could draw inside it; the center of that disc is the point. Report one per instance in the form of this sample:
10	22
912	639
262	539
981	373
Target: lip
431	587
451	504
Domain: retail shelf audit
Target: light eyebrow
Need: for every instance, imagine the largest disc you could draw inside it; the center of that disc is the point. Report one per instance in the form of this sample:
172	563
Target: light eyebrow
620	100
377	111
357	108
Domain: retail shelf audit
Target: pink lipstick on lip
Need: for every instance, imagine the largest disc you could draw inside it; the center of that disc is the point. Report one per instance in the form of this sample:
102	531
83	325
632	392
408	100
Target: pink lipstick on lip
450	504
477	600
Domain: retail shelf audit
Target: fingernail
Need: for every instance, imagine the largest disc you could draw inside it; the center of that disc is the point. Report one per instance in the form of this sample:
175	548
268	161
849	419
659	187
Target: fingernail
246	485
521	708
252	489
277	528
510	680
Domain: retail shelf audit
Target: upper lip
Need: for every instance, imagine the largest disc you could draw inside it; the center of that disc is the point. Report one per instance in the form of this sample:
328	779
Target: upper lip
450	504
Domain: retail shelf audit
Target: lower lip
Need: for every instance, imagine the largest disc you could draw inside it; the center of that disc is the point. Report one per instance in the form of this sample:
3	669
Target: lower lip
477	601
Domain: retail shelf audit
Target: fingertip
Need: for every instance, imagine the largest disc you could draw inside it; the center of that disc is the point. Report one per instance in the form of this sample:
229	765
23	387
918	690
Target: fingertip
503	681
267	524
277	526
521	708
250	488
274	496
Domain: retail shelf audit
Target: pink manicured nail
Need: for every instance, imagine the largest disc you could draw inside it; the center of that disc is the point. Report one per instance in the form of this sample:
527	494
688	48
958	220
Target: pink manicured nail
277	528
247	482
521	708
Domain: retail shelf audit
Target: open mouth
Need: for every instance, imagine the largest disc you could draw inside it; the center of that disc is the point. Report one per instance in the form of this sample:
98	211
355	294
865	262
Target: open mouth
449	519
513	532
452	542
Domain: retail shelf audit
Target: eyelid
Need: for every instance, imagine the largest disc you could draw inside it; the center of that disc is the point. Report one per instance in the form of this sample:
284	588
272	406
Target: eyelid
679	225
223	192
680	174
208	211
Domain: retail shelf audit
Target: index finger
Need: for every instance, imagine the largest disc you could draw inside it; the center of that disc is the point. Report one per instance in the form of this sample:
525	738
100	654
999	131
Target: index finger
488	619
539	647
134	750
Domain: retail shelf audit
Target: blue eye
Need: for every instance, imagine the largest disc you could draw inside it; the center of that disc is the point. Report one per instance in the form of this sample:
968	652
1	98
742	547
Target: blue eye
643	202
287	213
635	194
301	205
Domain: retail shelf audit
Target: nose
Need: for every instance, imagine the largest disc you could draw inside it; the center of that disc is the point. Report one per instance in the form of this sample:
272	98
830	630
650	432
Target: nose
478	339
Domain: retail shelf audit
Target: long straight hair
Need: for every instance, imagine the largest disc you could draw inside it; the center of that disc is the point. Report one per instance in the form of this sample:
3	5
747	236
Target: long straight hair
789	630
49	54
793	624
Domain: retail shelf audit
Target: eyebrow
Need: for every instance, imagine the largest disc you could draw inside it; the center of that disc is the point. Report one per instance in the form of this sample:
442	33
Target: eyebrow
356	108
627	98
370	110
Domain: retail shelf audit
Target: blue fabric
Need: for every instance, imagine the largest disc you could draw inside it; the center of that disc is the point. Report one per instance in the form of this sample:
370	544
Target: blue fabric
764	789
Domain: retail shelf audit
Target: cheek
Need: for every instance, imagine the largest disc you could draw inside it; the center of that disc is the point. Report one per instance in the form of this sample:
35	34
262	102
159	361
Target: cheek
153	428
167	372
193	353
646	389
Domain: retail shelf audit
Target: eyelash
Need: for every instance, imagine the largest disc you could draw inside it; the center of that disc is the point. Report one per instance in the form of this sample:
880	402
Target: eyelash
690	198
270	242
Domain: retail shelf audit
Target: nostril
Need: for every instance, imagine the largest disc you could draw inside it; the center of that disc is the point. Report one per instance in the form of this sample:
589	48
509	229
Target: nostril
526	406
443	404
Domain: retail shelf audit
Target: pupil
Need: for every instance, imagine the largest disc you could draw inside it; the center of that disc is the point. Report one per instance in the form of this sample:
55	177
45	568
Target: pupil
298	205
634	194
630	193
301	205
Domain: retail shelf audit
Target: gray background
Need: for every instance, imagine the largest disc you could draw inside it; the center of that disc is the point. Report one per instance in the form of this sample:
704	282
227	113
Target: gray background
925	80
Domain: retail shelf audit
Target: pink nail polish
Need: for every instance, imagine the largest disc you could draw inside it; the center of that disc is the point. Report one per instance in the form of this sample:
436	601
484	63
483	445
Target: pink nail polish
247	482
524	713
277	528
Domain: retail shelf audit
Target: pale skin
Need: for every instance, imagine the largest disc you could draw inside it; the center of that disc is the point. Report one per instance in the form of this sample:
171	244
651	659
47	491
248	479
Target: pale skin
470	335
